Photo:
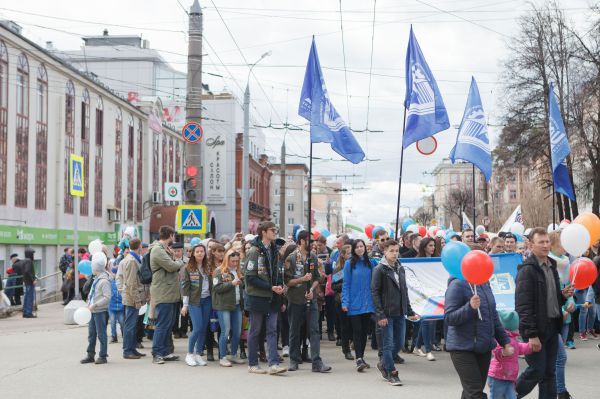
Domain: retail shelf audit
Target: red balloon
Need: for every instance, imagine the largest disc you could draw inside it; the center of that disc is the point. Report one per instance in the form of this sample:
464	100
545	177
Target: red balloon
477	267
369	230
583	273
422	231
434	232
567	221
316	234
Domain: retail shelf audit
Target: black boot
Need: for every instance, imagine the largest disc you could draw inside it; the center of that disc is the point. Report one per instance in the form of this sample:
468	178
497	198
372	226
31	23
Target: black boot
330	337
209	355
88	359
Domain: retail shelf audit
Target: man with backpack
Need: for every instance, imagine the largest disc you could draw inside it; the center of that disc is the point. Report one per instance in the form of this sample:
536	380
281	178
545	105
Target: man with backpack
133	298
164	291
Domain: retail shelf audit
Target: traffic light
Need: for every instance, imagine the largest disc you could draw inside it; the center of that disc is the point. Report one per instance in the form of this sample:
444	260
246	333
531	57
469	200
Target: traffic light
191	187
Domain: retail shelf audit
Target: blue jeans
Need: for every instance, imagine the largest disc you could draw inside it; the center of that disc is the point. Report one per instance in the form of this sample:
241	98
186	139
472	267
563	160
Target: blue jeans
200	315
129	333
561	363
256	320
28	300
501	389
97	329
425	335
230	321
115	317
393	340
165	314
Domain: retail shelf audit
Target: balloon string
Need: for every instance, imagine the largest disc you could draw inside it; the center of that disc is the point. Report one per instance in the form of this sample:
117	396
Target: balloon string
474	291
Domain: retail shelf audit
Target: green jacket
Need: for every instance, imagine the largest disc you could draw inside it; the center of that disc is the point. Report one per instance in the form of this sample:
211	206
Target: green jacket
259	272
223	292
191	285
165	270
294	268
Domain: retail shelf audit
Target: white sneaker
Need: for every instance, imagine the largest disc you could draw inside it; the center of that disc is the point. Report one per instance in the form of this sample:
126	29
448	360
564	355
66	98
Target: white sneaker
199	360
420	353
277	369
235	360
224	362
190	360
430	357
256	370
286	351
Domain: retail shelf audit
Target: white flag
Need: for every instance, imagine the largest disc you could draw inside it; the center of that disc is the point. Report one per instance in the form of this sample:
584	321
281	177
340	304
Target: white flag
516	216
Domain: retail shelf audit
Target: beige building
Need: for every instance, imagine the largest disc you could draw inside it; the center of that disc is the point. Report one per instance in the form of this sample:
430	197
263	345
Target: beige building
327	205
296	195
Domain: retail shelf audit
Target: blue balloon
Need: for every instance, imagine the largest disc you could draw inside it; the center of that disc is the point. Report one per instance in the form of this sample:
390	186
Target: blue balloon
325	233
194	241
442	227
407	222
85	267
452	256
519	237
392	232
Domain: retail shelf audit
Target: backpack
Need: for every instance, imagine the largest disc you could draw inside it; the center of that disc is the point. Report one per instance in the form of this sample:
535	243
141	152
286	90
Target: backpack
145	271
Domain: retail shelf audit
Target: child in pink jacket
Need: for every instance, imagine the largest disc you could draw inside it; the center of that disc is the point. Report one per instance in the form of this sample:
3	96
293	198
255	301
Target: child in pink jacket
504	367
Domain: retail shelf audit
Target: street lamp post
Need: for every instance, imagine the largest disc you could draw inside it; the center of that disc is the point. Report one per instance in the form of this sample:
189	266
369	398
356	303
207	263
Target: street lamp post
245	192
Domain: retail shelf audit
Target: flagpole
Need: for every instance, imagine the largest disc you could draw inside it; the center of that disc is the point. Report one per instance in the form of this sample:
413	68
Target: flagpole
474	220
310	162
400	178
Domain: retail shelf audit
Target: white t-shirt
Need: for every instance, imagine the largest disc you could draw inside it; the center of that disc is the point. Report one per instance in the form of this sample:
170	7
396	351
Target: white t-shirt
237	287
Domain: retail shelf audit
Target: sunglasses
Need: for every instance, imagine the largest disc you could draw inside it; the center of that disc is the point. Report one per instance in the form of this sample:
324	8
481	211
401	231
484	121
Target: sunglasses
234	254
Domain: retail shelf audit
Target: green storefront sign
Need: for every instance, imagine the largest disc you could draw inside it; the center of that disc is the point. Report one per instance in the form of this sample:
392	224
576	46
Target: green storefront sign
40	236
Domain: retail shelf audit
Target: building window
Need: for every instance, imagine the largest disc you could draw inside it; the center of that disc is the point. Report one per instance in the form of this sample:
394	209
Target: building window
156	160
164	160
291	207
118	158
3	121
290	178
290	192
41	146
69	140
513	194
21	161
130	167
85	149
140	169
290	220
512	178
98	158
171	159
276	191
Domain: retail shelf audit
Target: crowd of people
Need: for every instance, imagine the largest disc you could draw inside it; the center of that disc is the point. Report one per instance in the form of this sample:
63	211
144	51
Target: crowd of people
261	299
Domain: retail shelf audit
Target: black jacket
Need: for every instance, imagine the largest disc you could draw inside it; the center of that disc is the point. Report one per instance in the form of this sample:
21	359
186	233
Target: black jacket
530	299
389	297
256	286
27	269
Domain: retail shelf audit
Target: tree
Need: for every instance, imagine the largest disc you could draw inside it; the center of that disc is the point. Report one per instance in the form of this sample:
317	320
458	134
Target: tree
457	202
423	216
540	53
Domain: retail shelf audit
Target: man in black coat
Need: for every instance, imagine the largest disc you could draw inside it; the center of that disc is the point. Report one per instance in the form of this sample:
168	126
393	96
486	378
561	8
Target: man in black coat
29	280
538	301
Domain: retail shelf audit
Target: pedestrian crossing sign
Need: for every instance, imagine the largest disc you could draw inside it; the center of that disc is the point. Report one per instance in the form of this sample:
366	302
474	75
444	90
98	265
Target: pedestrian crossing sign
76	182
191	219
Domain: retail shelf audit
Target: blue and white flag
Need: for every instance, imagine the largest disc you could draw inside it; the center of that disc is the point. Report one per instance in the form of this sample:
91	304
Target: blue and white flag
560	149
472	143
426	112
326	125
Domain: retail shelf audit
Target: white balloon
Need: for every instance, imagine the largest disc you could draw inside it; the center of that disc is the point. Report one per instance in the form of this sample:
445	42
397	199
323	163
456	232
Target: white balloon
142	310
330	241
430	230
95	246
552	227
563	225
413	228
82	316
575	239
527	231
517	228
440	234
479	230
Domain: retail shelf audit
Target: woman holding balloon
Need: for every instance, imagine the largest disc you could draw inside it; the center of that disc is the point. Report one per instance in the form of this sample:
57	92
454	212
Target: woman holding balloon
470	313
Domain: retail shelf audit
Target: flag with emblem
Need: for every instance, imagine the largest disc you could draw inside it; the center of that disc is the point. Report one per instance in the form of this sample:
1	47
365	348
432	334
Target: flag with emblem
560	149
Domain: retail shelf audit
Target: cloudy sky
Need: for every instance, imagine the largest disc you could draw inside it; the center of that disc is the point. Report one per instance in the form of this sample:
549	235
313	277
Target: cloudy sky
459	38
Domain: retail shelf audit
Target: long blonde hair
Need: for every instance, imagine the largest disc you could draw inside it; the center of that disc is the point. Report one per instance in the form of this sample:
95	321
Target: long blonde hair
224	268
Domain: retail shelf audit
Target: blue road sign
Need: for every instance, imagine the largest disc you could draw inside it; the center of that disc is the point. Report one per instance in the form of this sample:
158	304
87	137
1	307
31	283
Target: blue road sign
76	176
191	219
192	132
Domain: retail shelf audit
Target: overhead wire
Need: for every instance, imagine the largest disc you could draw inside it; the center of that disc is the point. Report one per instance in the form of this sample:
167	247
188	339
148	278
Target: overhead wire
345	71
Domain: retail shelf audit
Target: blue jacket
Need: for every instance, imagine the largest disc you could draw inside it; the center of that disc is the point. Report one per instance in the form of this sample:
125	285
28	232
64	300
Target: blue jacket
465	331
356	289
116	301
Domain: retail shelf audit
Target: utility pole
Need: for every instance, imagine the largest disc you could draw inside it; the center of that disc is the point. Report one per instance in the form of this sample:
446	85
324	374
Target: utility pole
282	220
193	103
245	200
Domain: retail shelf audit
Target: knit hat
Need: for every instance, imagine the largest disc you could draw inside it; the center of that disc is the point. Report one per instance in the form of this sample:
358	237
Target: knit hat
99	261
509	319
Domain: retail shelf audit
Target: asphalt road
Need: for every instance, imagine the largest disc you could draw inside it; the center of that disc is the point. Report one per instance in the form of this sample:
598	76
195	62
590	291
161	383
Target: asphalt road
39	358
